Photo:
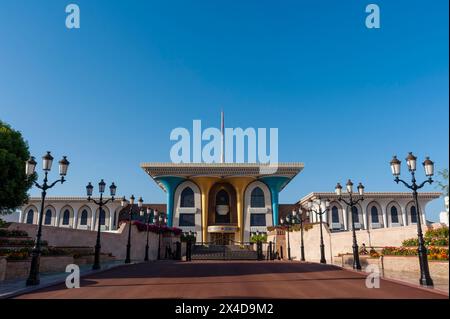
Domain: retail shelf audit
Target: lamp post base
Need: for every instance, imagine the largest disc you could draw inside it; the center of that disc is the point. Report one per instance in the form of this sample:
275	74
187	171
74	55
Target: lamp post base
426	282
128	259
322	254
33	278
146	253
356	263
33	282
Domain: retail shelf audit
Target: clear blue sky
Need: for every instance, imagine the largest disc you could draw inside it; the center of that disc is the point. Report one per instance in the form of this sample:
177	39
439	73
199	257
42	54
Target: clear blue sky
345	98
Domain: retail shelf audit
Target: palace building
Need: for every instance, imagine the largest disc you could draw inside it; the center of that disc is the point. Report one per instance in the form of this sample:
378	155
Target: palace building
221	200
227	202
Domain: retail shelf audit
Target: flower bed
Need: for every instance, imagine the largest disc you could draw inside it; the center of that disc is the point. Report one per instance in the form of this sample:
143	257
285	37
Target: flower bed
15	254
25	252
433	237
6	242
156	229
434	253
295	227
12	233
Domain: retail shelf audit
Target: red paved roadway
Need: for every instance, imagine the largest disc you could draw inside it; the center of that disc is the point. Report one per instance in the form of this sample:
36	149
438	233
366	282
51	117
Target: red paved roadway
230	279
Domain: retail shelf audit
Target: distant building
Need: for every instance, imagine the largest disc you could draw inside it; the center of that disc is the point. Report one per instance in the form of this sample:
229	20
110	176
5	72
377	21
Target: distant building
443	216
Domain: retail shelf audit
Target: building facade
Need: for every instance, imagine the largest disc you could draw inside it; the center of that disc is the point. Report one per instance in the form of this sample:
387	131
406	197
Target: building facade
71	212
227	202
223	202
377	210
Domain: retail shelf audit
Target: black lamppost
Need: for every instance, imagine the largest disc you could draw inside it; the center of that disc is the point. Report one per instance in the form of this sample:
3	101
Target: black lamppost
259	246
159	220
124	204
288	224
30	166
323	207
411	161
190	237
147	222
100	203
352	202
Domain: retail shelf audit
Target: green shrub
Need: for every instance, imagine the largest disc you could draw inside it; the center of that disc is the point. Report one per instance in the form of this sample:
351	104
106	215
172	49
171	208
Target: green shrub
52	251
261	237
4	224
12	233
441	232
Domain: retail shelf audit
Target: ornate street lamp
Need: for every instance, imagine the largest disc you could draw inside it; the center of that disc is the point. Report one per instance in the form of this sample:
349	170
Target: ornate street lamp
428	165
100	204
147	222
323	207
295	219
159	220
351	203
30	167
130	203
299	219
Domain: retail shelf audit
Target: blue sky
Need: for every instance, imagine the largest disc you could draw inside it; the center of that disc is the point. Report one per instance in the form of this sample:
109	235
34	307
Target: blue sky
344	98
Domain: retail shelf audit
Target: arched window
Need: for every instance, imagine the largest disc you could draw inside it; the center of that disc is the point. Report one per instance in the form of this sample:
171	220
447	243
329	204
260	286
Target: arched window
257	198
66	217
187	198
30	216
355	216
413	214
84	217
102	217
394	215
374	215
335	215
48	217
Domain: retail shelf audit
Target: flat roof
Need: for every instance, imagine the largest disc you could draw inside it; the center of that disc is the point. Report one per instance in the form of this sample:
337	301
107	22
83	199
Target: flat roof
372	195
222	170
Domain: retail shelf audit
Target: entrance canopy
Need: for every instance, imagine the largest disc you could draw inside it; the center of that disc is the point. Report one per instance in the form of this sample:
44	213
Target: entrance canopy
219	170
220	194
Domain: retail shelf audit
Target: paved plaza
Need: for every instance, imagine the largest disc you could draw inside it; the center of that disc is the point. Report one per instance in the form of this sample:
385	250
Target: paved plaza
230	279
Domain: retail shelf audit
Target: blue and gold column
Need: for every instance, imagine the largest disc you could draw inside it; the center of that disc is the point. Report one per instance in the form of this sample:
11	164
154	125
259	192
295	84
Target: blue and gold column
170	184
275	184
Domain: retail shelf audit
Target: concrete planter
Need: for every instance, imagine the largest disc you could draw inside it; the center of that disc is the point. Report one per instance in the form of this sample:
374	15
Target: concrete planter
20	269
399	264
83	260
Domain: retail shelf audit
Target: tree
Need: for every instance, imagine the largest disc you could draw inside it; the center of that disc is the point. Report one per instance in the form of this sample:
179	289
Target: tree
443	184
13	181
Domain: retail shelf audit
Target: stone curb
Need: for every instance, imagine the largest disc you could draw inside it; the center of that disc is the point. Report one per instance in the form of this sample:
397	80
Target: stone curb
401	282
28	289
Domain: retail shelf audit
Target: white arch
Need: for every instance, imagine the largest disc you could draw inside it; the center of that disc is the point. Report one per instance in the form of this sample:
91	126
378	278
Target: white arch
360	223
336	226
89	217
107	217
248	210
408	212
389	215
61	216
53	219
115	216
197	209
371	224
25	214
